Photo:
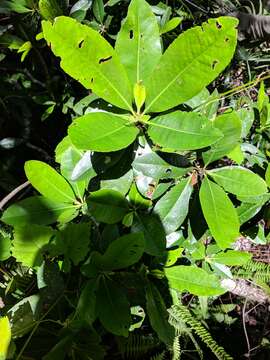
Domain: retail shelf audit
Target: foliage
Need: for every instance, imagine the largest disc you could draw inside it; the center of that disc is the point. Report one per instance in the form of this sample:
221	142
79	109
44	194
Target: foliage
143	200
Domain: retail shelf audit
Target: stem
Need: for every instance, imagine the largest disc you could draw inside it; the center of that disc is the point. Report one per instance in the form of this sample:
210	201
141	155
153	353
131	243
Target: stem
14	192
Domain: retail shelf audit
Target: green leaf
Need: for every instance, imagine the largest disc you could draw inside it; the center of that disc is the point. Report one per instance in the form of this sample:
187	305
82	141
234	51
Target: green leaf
138	43
122	184
172	208
158	315
30	243
98	10
23	315
239	181
101	131
183	131
152	165
194	280
154	234
5	332
247	211
35	210
267	175
73	242
230	126
190	63
86	308
170	25
231	258
111	299
90	59
48	182
107	206
121	253
5	247
219	214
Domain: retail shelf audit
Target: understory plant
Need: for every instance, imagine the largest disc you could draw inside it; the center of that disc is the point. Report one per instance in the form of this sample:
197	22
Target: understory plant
146	200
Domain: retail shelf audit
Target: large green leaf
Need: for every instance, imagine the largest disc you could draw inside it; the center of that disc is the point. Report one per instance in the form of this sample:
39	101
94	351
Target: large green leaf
152	165
230	126
121	253
190	63
219	214
86	308
172	208
30	243
183	131
158	315
48	182
108	206
154	234
101	131
35	210
138	42
239	181
193	279
90	59
113	307
231	258
72	242
5	247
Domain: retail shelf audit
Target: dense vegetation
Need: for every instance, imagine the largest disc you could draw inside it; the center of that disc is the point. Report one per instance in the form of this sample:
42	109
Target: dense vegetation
134	179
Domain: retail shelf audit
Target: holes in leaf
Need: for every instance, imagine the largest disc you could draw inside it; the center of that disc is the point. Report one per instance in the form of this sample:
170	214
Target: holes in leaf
131	34
227	39
92	80
80	44
218	25
105	59
214	64
168	171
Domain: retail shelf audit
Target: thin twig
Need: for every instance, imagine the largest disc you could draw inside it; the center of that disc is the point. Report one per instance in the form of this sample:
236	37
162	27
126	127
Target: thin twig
245	329
13	193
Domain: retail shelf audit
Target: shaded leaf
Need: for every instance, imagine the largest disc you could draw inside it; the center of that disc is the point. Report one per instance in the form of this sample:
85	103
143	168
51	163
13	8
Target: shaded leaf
121	253
108	206
35	210
111	299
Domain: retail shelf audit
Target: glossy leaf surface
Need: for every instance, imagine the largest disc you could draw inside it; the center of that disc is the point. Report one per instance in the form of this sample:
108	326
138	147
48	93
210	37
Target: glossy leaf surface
183	131
219	214
190	63
138	42
90	59
101	131
193	279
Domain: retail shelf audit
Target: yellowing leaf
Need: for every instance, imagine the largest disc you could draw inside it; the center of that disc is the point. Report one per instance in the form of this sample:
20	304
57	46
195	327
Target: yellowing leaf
5	337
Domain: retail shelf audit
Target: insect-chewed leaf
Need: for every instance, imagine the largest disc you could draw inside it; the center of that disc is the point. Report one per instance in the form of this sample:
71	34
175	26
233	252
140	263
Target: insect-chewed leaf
138	42
90	59
190	63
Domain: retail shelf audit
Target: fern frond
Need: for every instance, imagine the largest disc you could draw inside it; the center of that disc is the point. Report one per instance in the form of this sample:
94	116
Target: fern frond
136	346
254	270
179	314
176	348
160	356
